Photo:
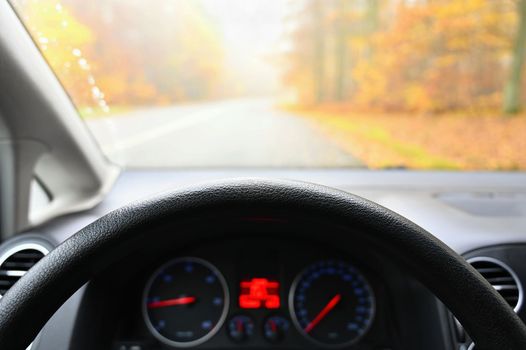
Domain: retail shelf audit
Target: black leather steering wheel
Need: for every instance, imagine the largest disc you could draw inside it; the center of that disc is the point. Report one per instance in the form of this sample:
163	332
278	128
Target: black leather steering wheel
27	306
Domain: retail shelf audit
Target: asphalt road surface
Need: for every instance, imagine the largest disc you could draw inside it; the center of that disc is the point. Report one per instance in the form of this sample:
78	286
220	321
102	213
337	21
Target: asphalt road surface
233	133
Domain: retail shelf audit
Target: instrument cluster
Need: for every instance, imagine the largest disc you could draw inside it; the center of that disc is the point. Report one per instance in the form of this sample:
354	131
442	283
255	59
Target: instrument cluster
261	298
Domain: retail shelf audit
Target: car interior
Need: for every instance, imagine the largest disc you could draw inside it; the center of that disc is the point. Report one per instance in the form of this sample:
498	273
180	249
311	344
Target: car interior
221	229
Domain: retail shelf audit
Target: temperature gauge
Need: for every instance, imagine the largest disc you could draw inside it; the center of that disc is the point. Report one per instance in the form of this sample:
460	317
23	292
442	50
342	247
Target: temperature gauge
275	328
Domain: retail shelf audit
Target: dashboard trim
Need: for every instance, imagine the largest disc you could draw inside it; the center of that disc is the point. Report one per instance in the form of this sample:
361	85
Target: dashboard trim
20	246
509	270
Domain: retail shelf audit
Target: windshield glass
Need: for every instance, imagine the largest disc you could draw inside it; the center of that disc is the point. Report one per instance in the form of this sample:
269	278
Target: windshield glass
414	84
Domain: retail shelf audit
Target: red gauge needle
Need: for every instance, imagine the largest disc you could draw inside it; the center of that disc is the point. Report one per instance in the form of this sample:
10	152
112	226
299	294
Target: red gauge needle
330	305
171	302
273	326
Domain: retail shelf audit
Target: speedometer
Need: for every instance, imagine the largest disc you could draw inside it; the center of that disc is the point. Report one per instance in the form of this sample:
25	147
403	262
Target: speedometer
186	302
332	304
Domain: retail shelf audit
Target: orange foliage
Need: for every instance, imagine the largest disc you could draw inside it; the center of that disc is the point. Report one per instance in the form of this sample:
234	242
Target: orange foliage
93	48
421	56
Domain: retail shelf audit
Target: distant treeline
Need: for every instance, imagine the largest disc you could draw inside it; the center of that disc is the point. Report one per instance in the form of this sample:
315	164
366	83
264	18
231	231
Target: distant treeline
428	56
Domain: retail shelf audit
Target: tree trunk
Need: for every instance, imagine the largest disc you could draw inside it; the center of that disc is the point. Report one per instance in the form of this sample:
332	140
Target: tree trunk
371	23
341	51
319	51
512	89
373	9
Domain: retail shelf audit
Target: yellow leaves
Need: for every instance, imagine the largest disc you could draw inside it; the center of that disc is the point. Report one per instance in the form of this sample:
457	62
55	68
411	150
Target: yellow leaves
55	23
446	60
64	41
416	98
56	31
372	84
449	9
359	43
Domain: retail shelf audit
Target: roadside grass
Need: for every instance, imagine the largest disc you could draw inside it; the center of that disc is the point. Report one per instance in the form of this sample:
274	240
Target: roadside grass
446	142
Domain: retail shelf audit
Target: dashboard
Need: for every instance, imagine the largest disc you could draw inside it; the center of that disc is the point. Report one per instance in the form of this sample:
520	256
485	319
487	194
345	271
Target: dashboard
273	285
259	290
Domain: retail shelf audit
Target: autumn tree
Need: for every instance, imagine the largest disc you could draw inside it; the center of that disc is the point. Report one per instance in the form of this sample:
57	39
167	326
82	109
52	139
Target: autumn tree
512	91
63	40
305	64
341	57
319	47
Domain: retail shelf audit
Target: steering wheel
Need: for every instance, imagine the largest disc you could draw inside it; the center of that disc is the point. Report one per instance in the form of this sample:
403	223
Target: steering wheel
27	306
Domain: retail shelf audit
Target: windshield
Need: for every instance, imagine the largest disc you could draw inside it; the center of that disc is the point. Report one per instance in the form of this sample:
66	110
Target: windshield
413	84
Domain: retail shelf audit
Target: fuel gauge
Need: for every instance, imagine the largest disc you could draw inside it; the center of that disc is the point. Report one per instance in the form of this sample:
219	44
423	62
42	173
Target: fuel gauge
275	328
240	328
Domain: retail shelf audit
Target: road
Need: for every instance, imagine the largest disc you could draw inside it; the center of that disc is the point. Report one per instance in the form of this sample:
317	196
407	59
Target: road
233	133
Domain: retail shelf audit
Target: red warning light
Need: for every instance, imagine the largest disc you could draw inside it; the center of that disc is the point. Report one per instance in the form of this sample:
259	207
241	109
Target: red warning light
259	293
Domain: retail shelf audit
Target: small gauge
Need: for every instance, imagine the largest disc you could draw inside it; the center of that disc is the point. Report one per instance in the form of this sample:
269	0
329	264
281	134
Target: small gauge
332	304
240	328
185	302
275	328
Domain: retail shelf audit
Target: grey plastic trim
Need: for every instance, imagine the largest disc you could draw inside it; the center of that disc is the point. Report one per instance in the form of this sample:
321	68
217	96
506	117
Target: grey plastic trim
43	135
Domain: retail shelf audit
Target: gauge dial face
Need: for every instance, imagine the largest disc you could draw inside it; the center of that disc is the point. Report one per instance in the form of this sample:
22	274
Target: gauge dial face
185	302
275	328
240	328
332	304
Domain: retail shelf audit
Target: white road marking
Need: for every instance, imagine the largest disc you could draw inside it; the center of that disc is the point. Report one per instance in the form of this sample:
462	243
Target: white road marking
159	131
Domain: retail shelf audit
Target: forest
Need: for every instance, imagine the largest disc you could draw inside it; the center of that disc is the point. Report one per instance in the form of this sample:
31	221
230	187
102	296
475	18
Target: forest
429	56
448	75
420	84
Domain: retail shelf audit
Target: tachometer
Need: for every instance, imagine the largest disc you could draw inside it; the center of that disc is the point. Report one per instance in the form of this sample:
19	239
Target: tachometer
331	303
186	302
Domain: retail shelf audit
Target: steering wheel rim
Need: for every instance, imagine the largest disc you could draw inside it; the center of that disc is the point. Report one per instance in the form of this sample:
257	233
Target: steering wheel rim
27	306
